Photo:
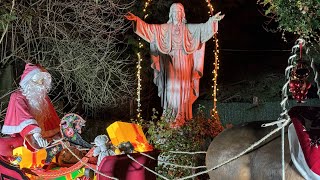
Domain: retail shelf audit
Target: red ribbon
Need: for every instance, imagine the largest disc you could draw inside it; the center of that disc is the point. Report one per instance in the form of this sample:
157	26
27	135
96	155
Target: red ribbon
34	159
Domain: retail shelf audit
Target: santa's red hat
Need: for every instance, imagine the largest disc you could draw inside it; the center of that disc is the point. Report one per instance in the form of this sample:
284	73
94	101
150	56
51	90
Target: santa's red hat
33	72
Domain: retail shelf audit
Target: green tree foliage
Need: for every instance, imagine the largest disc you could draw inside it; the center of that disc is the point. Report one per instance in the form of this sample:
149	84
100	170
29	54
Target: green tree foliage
300	17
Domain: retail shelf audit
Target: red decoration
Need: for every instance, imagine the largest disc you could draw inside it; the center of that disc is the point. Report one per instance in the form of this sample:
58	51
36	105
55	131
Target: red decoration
304	119
299	85
122	167
299	89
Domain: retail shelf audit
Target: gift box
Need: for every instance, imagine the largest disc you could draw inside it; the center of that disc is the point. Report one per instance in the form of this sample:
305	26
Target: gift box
120	132
30	159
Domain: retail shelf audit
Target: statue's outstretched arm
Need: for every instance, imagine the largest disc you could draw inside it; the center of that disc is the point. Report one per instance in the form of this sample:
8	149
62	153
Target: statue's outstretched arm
205	31
213	22
144	30
217	17
131	17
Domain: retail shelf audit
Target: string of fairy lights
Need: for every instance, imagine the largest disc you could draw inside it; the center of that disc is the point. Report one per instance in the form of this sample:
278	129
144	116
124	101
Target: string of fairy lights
215	78
139	87
214	114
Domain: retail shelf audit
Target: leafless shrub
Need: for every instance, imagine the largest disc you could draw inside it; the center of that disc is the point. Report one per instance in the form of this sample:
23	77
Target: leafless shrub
81	44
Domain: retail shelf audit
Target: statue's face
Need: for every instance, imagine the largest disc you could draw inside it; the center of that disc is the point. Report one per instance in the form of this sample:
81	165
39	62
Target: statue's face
36	90
177	16
42	79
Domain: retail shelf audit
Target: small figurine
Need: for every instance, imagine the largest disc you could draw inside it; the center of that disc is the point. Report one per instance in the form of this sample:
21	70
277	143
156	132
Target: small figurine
126	147
102	148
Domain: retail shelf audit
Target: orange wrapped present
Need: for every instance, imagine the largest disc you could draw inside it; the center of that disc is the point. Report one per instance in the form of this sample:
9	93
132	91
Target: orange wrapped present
120	132
30	159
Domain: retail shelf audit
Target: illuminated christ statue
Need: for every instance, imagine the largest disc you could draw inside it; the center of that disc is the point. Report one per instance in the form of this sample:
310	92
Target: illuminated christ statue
177	52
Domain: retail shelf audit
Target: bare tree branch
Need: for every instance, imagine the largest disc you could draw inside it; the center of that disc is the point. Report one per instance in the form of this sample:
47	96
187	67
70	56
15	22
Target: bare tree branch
81	44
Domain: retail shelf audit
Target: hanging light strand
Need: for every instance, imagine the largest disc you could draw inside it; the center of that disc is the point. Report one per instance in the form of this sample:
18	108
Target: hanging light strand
215	77
139	86
146	5
214	113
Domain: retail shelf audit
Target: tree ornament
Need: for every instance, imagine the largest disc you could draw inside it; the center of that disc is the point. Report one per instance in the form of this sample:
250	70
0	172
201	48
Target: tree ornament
299	89
299	84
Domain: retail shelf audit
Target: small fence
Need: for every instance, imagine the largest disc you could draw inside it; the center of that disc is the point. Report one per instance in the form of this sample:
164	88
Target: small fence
237	113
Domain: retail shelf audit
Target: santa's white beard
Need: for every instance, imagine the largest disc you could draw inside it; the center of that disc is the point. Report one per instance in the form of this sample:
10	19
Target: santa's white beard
36	95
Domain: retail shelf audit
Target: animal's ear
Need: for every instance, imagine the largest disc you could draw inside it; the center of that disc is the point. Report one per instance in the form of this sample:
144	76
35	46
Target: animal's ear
81	121
105	137
64	124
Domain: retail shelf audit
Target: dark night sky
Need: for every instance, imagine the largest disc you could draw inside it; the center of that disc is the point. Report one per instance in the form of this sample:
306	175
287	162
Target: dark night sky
242	29
247	49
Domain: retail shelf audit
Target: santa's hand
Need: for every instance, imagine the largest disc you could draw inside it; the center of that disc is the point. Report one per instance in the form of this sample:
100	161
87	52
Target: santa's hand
41	142
131	16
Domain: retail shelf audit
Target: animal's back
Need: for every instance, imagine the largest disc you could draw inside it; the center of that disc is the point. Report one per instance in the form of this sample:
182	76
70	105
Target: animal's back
264	162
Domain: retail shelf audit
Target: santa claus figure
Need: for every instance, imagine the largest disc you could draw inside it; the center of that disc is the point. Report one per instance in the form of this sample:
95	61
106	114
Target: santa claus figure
30	111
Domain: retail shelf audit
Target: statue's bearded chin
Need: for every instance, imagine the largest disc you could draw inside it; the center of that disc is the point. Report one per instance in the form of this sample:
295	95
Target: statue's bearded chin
36	95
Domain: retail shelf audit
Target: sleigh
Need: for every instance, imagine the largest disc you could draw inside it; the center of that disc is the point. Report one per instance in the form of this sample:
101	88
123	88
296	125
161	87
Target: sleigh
22	158
18	162
9	171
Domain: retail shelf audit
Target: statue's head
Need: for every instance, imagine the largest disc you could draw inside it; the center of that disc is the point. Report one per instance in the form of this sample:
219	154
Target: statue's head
177	14
35	83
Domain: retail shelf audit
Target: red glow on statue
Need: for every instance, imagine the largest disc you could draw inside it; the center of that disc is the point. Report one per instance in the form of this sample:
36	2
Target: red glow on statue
177	54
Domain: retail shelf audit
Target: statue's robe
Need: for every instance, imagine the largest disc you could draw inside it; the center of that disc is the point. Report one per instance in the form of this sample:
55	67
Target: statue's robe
177	53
